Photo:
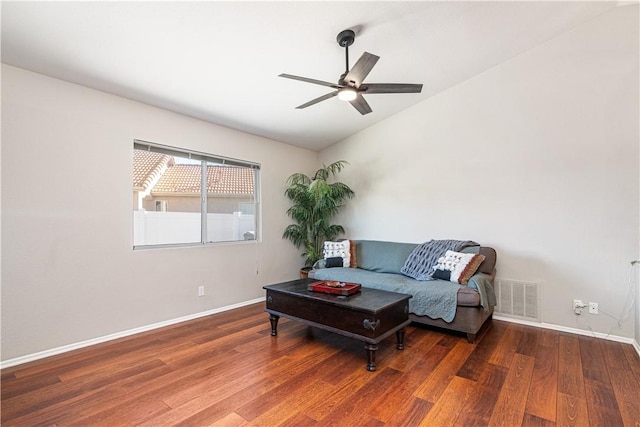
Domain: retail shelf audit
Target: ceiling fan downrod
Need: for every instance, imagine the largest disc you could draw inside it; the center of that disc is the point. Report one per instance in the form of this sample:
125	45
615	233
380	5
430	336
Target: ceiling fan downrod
345	39
346	57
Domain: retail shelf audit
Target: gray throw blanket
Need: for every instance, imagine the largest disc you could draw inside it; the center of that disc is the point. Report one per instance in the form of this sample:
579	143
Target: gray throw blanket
419	265
437	299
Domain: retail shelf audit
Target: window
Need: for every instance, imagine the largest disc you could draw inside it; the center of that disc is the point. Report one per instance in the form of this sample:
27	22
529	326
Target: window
184	197
161	205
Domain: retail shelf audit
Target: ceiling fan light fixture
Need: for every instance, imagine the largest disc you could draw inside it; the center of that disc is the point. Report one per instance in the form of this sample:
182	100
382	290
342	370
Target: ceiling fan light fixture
347	94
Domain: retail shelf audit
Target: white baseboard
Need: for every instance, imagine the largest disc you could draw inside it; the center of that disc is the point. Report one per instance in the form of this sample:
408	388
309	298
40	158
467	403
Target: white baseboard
64	349
70	347
576	331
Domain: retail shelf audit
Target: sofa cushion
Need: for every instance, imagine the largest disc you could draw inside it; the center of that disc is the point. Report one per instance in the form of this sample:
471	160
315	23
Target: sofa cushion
468	297
381	256
471	250
436	298
479	290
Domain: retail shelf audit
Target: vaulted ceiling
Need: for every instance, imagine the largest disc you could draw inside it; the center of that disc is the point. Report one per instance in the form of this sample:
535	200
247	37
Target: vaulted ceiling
220	61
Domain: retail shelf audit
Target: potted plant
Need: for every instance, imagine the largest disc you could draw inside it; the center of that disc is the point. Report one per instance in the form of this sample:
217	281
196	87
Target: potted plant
315	203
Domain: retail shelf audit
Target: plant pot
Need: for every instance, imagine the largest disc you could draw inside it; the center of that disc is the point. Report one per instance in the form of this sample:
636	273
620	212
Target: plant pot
304	272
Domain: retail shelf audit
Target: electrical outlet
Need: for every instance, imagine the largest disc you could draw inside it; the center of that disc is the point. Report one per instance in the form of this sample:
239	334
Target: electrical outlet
578	306
200	291
593	307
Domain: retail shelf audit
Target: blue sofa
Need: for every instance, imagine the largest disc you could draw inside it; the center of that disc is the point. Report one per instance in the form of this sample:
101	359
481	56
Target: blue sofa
438	303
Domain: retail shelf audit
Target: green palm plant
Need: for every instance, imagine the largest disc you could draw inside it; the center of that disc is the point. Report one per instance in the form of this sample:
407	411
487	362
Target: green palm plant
315	203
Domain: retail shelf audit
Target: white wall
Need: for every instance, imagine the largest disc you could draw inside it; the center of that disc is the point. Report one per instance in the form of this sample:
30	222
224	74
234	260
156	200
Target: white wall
69	273
537	157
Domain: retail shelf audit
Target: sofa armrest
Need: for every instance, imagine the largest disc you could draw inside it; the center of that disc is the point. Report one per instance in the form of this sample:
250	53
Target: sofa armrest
483	283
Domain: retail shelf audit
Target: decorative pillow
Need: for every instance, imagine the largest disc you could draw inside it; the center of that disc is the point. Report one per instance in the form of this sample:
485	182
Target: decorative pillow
334	262
353	260
338	249
457	267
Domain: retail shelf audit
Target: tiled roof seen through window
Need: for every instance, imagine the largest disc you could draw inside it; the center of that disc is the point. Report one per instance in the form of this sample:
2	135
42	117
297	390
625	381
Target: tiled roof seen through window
147	165
183	178
226	180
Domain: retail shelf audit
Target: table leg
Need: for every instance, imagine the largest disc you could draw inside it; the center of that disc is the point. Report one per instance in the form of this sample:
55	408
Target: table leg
274	324
400	339
371	356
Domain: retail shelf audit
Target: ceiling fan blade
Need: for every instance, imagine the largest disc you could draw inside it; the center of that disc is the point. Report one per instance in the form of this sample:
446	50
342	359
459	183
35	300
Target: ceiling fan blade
315	101
361	105
361	69
314	81
392	88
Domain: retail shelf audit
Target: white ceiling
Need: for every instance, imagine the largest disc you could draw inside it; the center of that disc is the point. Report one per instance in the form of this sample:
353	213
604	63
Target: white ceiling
219	61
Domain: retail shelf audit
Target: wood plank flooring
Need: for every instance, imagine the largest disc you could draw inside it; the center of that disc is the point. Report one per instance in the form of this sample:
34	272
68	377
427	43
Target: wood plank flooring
226	370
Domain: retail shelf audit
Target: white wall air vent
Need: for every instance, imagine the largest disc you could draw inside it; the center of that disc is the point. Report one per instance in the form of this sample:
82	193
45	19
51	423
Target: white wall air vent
522	300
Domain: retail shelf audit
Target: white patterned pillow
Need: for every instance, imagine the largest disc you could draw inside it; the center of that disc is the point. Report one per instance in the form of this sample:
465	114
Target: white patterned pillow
338	249
457	267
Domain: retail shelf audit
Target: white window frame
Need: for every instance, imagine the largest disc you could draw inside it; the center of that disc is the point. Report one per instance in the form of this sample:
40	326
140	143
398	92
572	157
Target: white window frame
205	158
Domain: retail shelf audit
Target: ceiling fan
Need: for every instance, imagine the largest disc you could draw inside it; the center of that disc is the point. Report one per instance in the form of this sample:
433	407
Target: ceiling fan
351	86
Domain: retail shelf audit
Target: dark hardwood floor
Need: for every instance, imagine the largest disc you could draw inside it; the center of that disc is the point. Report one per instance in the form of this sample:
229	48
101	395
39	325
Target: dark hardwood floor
227	370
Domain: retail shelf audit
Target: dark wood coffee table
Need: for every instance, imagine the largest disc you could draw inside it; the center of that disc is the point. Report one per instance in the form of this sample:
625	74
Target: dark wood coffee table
371	315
